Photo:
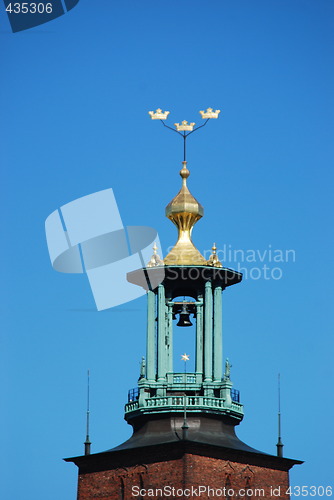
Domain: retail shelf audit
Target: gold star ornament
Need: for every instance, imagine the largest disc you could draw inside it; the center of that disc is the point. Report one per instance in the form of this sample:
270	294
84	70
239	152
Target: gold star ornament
185	357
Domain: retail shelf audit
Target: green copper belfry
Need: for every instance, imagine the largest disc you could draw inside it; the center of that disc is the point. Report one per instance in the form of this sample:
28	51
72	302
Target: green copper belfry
184	273
183	423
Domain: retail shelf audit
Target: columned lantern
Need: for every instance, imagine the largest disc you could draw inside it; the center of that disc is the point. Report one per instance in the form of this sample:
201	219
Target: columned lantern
208	390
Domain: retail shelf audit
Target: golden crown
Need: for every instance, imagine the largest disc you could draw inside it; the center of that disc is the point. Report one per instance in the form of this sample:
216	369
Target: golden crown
184	126
159	114
209	113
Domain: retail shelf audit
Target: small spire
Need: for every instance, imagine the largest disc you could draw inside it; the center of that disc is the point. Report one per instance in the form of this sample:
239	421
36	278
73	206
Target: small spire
279	441
213	259
155	259
87	443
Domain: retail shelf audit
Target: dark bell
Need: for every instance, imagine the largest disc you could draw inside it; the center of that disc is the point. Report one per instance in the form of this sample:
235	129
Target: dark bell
184	317
184	320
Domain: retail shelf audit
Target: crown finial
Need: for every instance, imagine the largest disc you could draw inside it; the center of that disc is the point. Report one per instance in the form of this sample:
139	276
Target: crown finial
184	126
184	129
159	114
213	259
209	113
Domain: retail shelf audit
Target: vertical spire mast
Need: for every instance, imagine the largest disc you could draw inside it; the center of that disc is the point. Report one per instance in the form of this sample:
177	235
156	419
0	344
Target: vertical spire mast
185	425
87	443
279	441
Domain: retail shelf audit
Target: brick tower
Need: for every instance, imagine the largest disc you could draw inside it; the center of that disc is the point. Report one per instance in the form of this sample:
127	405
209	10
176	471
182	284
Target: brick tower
184	443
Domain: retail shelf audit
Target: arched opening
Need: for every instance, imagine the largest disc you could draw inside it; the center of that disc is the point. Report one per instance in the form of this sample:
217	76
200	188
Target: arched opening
184	337
228	487
248	489
122	489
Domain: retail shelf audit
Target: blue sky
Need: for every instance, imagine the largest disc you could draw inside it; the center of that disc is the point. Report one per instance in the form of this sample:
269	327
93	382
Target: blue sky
74	100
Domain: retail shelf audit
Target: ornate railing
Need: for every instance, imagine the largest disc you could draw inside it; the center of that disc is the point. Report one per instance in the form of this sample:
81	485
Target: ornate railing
177	402
184	378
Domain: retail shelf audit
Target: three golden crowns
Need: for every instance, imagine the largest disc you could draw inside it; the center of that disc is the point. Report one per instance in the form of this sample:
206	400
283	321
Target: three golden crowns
184	125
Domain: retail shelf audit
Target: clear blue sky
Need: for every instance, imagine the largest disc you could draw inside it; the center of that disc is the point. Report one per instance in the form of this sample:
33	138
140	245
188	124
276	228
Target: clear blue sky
74	99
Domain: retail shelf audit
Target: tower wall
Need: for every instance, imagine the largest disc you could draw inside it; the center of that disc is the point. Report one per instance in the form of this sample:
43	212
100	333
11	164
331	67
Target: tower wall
187	472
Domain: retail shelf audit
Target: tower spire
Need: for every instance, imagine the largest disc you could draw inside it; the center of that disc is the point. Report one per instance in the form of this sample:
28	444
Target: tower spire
184	211
279	441
87	443
213	259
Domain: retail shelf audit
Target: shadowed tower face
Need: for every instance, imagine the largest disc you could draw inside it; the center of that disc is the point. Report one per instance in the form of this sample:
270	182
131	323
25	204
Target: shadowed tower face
183	422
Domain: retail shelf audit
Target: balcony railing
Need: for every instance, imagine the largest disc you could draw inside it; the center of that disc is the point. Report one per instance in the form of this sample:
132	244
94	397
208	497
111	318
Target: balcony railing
193	403
133	394
184	378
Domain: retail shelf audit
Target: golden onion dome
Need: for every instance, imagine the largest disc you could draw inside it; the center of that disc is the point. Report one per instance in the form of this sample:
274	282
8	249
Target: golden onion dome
184	211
